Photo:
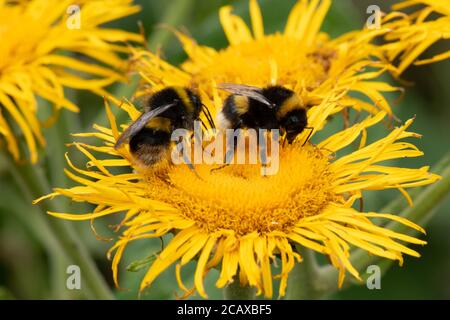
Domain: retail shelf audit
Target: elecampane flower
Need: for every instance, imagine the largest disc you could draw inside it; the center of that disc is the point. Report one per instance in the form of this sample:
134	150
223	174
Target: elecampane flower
40	52
414	33
241	221
244	224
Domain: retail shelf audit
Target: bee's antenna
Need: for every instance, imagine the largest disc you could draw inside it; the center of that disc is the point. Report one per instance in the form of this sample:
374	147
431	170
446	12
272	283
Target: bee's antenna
219	168
263	153
208	116
284	138
229	154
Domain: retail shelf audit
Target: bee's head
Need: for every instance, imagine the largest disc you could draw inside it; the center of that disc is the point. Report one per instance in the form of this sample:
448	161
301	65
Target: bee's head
294	122
195	99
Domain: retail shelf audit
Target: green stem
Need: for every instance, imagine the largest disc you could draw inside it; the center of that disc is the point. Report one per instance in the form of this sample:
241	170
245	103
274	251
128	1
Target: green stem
58	136
177	12
303	279
31	180
11	200
58	265
234	291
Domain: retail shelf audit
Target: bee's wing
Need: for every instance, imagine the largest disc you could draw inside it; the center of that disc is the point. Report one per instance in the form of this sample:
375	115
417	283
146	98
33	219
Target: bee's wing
140	123
247	91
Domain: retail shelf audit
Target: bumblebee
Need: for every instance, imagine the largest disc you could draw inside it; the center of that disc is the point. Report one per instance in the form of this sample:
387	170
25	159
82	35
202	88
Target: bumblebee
272	107
149	136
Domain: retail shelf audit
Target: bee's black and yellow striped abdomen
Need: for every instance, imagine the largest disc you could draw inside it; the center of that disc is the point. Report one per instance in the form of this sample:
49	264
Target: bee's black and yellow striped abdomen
150	144
186	109
234	108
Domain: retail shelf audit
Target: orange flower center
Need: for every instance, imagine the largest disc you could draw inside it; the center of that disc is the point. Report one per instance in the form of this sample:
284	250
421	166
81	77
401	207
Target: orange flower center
237	197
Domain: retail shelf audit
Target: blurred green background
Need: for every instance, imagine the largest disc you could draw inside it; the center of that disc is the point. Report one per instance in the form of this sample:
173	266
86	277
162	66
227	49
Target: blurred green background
27	272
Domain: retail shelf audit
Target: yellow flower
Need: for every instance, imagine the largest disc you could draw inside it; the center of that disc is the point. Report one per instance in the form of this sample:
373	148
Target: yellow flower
234	219
242	221
40	43
416	32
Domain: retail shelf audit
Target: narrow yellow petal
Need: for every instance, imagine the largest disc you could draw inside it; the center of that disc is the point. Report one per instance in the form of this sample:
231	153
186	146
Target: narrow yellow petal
257	21
201	264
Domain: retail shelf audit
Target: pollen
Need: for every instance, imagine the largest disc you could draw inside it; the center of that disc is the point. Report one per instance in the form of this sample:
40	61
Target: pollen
237	197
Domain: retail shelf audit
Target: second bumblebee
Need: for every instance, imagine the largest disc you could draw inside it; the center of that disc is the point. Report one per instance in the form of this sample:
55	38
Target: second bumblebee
272	107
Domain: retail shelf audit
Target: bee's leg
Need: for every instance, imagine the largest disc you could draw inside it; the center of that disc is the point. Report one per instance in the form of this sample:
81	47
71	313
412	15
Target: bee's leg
186	159
219	168
191	166
196	134
230	149
262	141
284	138
204	126
311	130
332	154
